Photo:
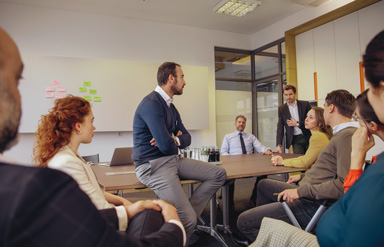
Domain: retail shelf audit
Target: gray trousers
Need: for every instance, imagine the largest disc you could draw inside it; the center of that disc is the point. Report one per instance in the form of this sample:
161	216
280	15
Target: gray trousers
249	222
163	176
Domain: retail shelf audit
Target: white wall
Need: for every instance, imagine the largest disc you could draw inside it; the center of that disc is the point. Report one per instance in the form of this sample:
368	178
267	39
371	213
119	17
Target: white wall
277	30
72	34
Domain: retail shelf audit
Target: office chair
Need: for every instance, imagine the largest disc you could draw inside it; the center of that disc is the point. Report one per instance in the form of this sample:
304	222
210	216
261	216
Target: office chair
315	218
91	158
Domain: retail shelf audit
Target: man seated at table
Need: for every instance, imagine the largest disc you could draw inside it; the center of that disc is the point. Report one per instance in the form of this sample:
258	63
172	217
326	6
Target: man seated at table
318	182
240	142
45	207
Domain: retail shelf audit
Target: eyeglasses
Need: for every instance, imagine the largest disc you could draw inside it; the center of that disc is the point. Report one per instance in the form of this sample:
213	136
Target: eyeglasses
355	117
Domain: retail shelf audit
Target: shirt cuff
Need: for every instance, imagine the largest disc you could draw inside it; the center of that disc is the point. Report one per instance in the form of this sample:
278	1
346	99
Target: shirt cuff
178	223
177	140
122	217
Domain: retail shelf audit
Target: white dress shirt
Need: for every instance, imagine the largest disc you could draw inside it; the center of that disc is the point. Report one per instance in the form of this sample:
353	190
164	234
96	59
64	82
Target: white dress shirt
295	115
231	144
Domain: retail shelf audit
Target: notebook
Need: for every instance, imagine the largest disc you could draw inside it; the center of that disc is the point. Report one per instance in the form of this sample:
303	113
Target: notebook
121	156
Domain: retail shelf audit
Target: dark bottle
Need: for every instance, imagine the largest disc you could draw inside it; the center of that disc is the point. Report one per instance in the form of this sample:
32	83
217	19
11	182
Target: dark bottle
217	154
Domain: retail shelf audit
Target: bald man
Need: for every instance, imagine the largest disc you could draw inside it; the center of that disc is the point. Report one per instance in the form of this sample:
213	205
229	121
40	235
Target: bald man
44	207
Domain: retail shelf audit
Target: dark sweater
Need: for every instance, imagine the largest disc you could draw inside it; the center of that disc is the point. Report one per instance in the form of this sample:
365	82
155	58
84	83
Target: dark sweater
318	182
154	119
357	218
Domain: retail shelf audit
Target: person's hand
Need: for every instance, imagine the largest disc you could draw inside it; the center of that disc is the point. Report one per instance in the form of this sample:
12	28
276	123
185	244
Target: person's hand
268	152
139	206
288	195
153	142
179	133
292	122
362	141
168	211
278	149
293	179
277	160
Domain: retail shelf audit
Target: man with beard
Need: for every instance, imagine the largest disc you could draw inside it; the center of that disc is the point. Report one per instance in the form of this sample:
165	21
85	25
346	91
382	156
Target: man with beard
45	207
158	133
292	118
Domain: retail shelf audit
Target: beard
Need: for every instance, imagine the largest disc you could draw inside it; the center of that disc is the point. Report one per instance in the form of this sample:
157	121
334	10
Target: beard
175	90
10	114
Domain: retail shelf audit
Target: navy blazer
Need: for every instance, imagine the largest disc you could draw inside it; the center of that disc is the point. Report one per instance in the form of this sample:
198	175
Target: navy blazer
45	207
284	114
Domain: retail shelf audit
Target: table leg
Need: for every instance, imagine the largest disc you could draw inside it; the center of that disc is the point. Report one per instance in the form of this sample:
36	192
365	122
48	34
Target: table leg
212	230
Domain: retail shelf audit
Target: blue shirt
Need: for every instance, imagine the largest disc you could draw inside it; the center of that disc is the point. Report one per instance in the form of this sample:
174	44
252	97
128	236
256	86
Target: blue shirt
231	144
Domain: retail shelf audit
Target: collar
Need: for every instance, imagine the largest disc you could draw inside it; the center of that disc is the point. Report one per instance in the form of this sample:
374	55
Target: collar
294	105
342	126
164	95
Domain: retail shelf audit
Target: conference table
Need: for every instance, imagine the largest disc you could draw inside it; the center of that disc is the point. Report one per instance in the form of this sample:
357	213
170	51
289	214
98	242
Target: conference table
237	166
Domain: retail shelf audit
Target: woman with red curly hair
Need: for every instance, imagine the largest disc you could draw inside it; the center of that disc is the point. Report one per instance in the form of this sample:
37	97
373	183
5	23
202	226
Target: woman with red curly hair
58	137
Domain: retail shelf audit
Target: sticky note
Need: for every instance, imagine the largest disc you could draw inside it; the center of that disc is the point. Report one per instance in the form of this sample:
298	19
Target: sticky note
89	98
87	83
92	91
50	89
82	89
59	96
61	89
97	99
49	95
55	82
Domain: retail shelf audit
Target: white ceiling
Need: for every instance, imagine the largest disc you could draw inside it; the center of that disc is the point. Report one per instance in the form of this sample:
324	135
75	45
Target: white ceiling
194	13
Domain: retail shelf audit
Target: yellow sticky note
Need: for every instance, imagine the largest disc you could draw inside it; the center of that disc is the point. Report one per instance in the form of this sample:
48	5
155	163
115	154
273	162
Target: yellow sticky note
97	99
87	83
92	91
89	98
82	89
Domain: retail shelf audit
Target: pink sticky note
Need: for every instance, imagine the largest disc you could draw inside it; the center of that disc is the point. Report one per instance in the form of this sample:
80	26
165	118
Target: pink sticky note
55	82
59	96
49	95
50	89
61	89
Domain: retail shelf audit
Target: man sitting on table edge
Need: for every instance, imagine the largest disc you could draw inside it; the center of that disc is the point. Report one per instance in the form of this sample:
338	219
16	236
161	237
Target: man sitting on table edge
45	207
240	142
318	182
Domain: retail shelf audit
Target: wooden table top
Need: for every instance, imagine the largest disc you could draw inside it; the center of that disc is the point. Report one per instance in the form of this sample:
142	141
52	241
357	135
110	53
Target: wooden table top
237	166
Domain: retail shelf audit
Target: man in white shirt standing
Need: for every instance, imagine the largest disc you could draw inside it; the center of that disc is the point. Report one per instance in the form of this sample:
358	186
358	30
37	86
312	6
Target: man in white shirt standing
292	117
240	142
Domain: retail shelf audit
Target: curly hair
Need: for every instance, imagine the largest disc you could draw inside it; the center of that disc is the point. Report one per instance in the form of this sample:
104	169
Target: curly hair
322	127
55	129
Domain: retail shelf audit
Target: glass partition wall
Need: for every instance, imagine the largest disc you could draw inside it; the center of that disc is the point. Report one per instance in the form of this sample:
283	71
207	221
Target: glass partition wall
250	83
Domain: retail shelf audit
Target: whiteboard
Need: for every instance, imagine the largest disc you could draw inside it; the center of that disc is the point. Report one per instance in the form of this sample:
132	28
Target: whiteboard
119	84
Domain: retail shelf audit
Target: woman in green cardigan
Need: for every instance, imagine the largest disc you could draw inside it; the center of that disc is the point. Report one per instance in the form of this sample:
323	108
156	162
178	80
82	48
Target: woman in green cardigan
321	134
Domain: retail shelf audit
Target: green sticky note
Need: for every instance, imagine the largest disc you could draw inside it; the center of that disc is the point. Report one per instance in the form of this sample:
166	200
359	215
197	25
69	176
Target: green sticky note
87	83
92	91
82	89
97	99
89	98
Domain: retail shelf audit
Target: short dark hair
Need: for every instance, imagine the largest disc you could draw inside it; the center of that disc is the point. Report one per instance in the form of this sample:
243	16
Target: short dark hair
373	60
366	111
166	69
343	100
290	87
240	116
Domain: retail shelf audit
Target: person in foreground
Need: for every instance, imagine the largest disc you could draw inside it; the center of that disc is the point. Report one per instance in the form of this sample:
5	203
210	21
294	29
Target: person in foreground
291	118
45	207
321	134
58	137
240	142
318	182
357	218
369	125
158	133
